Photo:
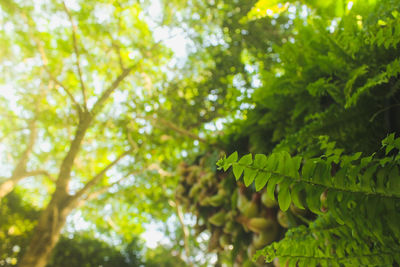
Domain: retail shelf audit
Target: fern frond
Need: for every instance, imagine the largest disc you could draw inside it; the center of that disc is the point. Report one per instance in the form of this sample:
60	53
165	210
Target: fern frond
327	243
356	198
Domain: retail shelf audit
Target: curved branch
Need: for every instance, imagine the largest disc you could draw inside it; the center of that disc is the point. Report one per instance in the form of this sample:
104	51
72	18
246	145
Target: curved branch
46	62
185	231
157	122
98	176
21	165
9	183
76	50
67	163
102	190
114	85
106	94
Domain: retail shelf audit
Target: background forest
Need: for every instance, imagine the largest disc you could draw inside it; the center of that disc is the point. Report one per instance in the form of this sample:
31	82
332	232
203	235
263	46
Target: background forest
243	133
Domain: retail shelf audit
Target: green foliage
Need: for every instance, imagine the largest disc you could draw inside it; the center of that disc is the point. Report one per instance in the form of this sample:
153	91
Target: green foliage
78	249
356	198
326	80
162	257
231	216
327	243
81	250
17	225
18	219
331	75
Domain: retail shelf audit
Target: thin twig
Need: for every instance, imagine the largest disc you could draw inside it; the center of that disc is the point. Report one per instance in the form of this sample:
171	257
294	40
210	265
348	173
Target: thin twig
382	110
118	50
172	126
52	77
99	176
77	62
46	62
185	231
106	94
133	144
114	85
20	168
161	171
102	190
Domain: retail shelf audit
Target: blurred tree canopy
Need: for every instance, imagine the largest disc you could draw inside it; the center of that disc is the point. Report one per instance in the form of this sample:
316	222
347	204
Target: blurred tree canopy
78	118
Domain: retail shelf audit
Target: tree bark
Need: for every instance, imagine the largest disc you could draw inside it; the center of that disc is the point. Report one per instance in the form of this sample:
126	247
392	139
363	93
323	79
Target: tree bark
19	171
8	185
186	234
46	235
53	218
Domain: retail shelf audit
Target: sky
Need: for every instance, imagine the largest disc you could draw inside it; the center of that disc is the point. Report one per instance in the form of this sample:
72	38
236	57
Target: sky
172	38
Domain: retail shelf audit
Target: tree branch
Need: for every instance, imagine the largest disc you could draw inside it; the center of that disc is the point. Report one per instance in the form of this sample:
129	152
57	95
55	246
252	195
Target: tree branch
185	231
86	118
118	52
161	171
94	194
77	62
98	176
8	184
106	94
125	72
66	166
45	63
100	191
36	173
20	168
52	77
20	172
172	126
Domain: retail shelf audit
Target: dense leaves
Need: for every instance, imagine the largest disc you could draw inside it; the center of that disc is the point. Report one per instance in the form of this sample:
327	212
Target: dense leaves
315	125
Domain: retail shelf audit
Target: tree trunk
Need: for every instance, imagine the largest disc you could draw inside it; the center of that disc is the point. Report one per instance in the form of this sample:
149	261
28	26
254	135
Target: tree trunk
53	218
46	234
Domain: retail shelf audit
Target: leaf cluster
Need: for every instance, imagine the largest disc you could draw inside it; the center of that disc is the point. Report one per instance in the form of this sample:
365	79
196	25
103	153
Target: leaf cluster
357	195
326	80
